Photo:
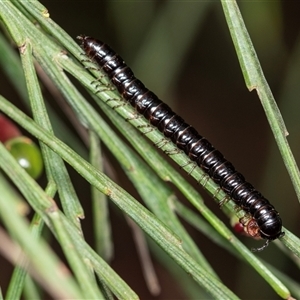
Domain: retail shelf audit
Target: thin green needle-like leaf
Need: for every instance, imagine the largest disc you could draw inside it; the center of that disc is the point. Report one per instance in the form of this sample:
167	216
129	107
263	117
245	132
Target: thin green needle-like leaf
56	169
84	275
255	79
31	291
103	238
10	64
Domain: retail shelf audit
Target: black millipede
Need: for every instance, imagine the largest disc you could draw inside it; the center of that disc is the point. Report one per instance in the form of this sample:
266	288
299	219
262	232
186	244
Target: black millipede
265	221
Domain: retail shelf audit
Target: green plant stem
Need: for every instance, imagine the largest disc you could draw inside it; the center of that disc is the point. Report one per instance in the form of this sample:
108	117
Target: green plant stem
255	79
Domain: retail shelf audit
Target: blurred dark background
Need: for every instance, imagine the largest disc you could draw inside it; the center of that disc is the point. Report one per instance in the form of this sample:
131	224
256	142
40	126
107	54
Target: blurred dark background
205	85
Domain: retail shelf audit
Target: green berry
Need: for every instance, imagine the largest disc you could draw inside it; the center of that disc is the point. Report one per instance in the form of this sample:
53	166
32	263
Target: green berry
27	154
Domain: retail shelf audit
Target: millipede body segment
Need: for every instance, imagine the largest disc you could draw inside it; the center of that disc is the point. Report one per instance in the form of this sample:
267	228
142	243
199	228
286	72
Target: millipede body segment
265	219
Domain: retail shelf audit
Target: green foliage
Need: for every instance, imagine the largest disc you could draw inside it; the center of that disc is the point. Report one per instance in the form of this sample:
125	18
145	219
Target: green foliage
43	45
